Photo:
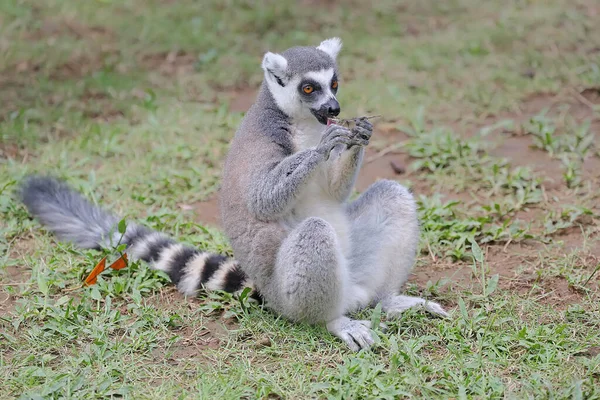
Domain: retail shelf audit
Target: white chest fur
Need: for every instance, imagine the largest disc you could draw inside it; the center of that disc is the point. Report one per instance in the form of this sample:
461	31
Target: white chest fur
307	134
316	199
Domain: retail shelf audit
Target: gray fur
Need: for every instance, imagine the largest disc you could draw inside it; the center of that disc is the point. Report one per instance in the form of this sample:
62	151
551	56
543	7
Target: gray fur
71	217
305	59
308	276
386	230
284	206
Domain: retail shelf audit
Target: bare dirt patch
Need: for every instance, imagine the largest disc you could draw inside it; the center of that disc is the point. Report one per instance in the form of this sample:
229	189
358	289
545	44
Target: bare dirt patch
19	248
12	151
555	291
241	100
520	151
170	63
591	94
207	212
194	341
507	261
382	168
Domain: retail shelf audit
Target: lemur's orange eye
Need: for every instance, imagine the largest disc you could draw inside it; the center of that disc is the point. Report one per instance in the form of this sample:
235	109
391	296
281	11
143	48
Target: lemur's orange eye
334	85
308	89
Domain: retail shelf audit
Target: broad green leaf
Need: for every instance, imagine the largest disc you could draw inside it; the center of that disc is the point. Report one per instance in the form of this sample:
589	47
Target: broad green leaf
122	226
476	250
492	284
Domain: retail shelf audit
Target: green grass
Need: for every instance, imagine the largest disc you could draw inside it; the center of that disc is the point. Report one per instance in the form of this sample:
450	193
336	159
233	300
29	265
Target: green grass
133	103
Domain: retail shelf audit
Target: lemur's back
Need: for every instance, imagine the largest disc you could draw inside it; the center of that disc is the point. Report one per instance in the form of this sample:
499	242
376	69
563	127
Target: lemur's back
261	137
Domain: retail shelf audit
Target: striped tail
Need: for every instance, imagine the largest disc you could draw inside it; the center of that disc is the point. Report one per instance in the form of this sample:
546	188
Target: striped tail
72	218
188	268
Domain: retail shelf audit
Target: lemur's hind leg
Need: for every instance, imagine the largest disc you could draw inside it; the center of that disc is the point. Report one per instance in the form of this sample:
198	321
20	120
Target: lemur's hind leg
385	235
311	277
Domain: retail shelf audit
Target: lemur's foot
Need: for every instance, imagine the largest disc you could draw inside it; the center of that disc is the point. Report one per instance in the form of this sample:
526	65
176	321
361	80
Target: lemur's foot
356	334
396	305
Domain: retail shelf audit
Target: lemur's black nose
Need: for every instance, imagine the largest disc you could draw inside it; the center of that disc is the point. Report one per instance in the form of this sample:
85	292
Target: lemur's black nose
333	108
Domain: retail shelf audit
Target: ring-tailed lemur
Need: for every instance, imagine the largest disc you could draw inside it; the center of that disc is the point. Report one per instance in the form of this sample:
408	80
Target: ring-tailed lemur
310	253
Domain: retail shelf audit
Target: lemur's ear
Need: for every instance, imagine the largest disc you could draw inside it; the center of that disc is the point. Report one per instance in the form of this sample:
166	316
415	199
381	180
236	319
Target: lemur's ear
275	66
331	46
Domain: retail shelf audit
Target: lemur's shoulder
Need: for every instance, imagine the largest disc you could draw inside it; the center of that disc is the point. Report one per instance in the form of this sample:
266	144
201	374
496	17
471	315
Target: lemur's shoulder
265	127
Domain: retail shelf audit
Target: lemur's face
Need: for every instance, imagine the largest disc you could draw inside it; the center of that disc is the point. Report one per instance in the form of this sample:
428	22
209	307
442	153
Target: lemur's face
304	81
317	90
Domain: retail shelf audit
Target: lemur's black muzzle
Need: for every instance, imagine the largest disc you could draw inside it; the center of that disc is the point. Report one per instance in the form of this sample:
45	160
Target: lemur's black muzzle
333	108
328	110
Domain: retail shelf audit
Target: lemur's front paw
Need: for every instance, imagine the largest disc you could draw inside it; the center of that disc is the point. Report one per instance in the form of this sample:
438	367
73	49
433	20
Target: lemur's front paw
362	131
334	135
356	334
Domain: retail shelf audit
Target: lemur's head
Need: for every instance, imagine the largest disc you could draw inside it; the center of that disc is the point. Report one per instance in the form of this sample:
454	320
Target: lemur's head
303	80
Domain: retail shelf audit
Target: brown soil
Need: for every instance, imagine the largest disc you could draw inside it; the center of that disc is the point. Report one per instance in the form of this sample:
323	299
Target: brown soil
10	150
208	212
241	100
171	63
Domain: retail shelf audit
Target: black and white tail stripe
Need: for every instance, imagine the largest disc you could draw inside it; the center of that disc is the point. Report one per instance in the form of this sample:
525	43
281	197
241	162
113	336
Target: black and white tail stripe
73	218
189	269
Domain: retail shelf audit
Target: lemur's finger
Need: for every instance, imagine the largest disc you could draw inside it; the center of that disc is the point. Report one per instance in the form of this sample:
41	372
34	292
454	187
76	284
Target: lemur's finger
363	338
365	124
361	333
349	340
342	132
340	140
361	129
362	133
335	130
361	142
327	147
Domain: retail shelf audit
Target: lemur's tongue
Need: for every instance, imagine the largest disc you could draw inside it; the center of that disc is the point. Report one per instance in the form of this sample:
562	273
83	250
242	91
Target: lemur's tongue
329	121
